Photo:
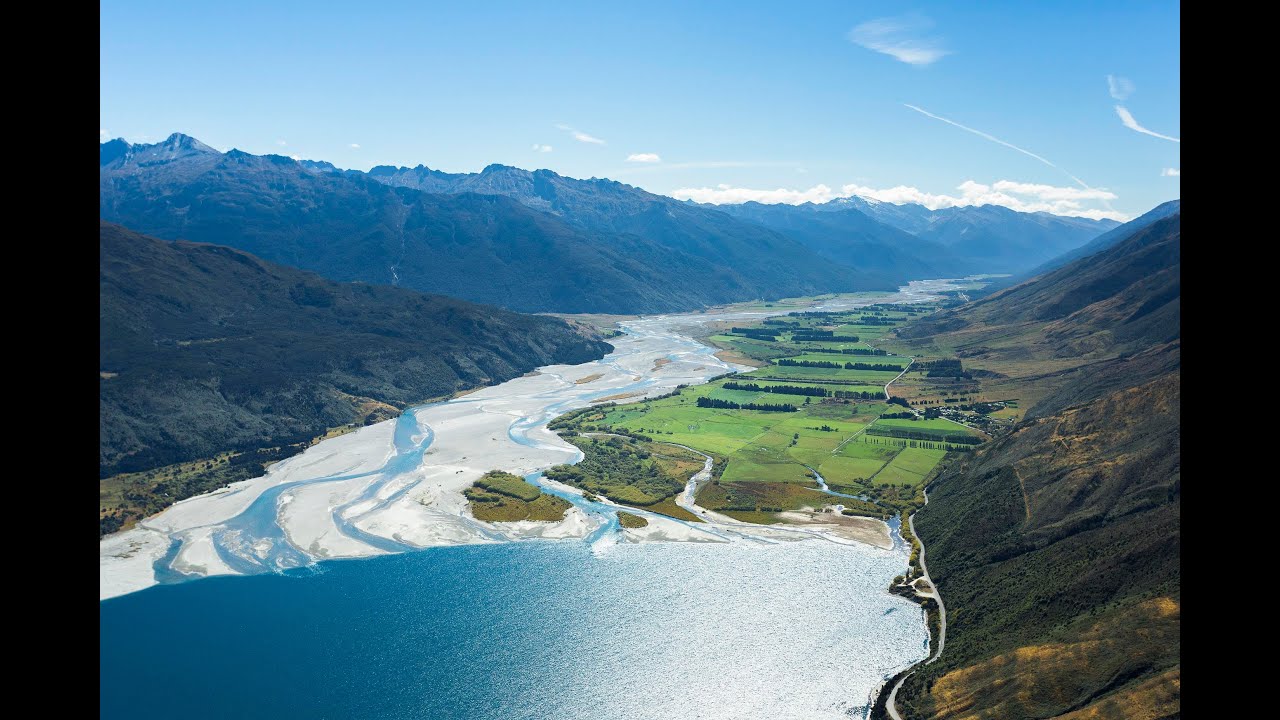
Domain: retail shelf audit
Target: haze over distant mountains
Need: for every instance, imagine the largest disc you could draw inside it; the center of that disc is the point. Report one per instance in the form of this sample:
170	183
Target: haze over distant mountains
539	241
951	241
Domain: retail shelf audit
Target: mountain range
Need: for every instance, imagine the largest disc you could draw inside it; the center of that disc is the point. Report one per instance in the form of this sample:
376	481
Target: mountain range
539	241
634	252
1056	546
948	242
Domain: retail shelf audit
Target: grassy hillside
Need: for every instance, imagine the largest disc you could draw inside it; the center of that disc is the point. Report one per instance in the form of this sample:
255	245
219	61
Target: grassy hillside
1056	547
210	354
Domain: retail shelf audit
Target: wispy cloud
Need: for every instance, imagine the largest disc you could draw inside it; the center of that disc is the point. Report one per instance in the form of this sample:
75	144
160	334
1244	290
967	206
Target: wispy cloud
580	136
901	38
1126	117
281	143
1023	197
998	141
538	147
1119	87
354	146
1171	172
644	158
103	134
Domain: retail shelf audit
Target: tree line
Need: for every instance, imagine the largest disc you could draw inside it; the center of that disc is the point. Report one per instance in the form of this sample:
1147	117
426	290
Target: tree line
904	433
859	395
847	351
783	389
798	337
706	402
789	362
756	333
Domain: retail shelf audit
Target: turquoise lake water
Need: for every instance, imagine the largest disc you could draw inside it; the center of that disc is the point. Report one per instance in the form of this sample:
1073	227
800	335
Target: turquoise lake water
535	629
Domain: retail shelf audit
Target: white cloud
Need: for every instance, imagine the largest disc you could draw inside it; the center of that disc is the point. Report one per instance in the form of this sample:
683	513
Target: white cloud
537	147
281	143
644	158
1119	87
729	195
1052	192
296	158
1023	197
580	136
1126	117
355	146
103	134
1171	172
900	38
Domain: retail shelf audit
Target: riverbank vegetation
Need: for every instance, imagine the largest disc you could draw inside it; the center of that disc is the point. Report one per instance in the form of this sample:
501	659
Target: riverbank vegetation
502	497
629	470
629	520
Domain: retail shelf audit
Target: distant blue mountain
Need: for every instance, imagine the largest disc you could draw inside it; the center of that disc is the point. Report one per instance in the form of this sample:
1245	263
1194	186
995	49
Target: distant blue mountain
893	243
532	241
540	241
990	238
852	237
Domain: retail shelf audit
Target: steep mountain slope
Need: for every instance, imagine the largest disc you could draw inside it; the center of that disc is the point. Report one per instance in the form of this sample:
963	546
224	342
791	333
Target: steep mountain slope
1056	548
853	238
1125	298
1098	244
1111	237
205	349
643	257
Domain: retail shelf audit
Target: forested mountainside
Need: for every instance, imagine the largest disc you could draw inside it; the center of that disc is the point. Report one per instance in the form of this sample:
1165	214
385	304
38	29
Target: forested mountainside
626	251
206	350
1056	547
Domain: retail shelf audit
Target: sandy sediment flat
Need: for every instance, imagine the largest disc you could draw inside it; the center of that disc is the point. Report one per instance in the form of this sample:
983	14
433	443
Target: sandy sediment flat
863	529
661	529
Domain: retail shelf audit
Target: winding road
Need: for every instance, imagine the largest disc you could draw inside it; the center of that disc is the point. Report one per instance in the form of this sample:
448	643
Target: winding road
910	360
890	704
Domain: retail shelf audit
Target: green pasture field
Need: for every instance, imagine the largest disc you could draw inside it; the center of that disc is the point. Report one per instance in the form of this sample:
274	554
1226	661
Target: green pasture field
909	466
764	457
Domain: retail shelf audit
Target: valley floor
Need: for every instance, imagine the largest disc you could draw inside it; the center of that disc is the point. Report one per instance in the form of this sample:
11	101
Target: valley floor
397	485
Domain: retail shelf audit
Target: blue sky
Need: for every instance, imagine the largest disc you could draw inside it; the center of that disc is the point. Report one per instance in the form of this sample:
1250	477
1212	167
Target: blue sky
717	101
